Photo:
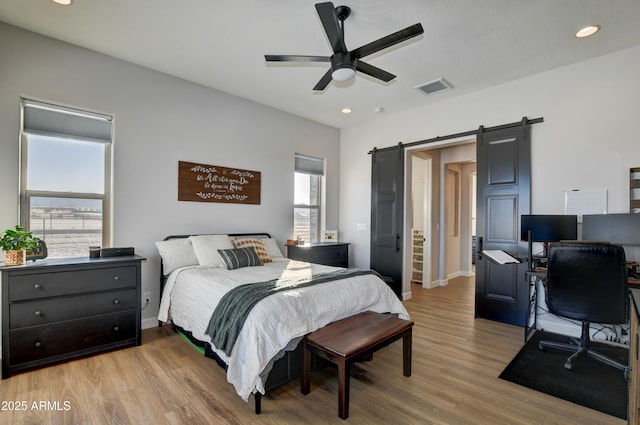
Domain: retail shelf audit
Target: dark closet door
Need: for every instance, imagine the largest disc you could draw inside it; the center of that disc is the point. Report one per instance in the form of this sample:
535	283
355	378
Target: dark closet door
387	185
504	193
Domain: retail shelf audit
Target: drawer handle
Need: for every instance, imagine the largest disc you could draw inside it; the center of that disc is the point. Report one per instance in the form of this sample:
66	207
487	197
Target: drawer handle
116	328
38	344
37	286
116	301
116	278
38	313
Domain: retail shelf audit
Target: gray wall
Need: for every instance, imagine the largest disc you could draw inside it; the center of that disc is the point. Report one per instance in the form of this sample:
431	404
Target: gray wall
160	120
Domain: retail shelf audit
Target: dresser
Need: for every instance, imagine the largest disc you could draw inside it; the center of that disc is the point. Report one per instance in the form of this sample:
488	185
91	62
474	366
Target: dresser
327	253
58	309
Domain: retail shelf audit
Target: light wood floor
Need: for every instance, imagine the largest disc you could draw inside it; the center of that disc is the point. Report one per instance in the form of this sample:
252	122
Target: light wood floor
456	363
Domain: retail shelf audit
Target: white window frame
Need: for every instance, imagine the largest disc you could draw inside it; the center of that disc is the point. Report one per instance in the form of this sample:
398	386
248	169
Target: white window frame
51	128
305	164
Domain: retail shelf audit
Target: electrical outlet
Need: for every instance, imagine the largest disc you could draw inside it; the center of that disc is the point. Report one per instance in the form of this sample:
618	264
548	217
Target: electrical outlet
146	297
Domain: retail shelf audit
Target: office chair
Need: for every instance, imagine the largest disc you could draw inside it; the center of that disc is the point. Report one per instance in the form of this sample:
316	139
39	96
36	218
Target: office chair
587	281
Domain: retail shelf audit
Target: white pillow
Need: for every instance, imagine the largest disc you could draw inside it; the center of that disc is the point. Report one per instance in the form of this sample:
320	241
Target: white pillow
176	253
206	248
271	245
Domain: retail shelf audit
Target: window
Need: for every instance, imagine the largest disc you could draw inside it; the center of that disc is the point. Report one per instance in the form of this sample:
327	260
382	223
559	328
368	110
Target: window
307	197
65	177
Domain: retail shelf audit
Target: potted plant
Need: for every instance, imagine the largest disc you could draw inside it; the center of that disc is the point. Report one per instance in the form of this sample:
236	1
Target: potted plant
16	243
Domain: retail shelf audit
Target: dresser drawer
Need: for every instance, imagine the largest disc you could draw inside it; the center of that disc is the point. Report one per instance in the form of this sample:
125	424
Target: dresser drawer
51	310
327	254
41	285
42	342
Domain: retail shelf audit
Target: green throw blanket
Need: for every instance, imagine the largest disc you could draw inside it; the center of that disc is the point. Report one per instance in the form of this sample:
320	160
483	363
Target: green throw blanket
231	312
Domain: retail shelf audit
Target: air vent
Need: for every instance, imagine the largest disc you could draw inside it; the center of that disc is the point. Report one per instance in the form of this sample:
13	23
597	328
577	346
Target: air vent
434	86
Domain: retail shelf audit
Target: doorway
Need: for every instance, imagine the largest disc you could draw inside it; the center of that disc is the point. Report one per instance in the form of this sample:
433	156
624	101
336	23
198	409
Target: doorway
440	213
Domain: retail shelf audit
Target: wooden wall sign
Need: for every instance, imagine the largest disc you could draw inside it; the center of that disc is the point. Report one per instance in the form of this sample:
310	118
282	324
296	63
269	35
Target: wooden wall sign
211	183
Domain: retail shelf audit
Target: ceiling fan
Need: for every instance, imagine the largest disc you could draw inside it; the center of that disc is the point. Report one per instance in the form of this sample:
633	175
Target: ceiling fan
345	63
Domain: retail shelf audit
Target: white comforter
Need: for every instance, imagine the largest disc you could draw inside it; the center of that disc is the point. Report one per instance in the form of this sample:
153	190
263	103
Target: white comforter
275	323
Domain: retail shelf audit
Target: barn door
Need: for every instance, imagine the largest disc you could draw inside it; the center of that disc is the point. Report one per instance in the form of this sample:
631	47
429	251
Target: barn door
503	194
387	186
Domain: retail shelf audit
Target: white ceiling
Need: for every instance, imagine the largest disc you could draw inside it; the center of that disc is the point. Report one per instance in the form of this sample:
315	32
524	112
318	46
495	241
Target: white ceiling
474	44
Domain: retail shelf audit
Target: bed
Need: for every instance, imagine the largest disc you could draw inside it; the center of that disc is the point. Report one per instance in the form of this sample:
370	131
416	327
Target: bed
206	281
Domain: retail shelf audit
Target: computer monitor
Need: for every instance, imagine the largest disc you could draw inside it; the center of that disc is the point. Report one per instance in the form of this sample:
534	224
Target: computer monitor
621	229
549	228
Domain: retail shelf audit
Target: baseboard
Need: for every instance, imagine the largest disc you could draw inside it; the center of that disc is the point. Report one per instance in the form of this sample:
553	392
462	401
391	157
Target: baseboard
431	285
436	283
453	275
149	323
460	273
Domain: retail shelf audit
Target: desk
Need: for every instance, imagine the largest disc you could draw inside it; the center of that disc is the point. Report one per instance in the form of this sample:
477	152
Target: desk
540	276
533	278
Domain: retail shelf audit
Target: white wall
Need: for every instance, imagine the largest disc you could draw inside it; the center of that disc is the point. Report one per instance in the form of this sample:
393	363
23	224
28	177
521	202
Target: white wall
160	120
417	192
452	158
588	140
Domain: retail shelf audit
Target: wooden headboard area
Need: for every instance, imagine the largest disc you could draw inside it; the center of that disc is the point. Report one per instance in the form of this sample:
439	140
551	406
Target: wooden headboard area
163	278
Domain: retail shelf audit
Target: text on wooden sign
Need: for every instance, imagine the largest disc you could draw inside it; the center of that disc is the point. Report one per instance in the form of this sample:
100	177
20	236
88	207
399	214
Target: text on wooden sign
212	183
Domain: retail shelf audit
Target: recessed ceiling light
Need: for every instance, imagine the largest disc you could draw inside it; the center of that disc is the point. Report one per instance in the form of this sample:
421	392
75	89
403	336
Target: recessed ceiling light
346	110
63	2
587	31
378	109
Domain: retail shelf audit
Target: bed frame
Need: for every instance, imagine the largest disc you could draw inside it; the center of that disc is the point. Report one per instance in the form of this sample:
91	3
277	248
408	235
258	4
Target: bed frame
284	369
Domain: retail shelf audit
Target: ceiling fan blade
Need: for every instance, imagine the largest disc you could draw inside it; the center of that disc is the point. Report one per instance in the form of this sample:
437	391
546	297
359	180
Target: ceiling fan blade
374	71
329	19
324	81
296	58
388	41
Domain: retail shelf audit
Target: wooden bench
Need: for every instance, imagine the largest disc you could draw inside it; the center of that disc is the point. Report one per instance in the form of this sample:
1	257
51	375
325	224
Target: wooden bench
352	339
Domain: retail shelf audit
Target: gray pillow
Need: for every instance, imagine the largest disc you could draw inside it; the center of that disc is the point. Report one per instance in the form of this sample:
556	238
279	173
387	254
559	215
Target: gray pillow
239	257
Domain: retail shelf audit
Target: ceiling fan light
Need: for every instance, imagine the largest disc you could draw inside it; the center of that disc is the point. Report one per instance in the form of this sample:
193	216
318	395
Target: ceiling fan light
343	74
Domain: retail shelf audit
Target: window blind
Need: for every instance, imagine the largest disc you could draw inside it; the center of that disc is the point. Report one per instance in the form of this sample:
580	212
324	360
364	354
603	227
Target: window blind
51	120
309	165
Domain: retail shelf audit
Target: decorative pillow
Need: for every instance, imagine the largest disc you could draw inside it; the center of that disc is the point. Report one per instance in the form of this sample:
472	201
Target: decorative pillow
239	257
271	245
256	244
176	253
206	248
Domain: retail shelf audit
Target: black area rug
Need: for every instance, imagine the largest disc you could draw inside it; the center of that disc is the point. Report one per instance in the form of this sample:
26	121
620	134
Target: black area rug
590	383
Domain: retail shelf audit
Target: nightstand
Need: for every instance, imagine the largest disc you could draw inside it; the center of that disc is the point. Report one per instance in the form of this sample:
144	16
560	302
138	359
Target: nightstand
327	253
